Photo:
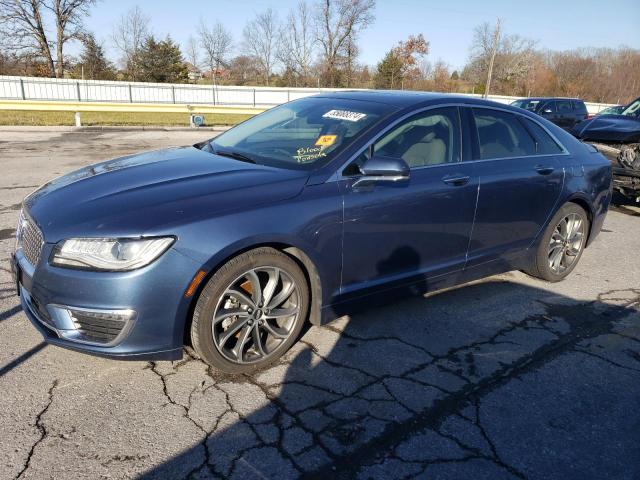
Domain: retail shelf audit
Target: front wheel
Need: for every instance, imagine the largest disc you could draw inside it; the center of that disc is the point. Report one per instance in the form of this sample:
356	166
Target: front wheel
251	311
562	244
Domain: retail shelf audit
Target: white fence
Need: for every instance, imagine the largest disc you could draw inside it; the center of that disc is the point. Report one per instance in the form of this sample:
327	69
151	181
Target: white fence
53	89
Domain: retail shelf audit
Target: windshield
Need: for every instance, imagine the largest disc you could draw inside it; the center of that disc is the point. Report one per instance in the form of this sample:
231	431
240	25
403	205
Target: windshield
526	104
633	109
303	134
611	110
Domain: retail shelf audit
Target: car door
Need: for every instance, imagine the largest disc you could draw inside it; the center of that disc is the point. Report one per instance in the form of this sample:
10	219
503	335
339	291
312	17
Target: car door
520	183
416	229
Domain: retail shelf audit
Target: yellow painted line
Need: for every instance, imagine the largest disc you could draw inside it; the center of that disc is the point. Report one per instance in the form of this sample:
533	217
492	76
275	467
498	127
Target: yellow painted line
125	107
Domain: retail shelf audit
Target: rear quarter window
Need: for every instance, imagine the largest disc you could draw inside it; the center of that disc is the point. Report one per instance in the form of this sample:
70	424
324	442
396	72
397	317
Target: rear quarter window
545	144
579	107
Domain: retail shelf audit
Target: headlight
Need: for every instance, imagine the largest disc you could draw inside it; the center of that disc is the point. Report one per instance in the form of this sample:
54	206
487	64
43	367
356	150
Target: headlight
118	254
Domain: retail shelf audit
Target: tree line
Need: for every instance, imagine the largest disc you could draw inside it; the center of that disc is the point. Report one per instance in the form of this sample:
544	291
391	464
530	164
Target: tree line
316	44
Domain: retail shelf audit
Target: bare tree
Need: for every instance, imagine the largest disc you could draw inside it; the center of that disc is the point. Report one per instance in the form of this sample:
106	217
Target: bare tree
499	58
260	40
216	42
192	52
337	25
492	56
23	24
351	52
23	28
69	15
297	41
129	34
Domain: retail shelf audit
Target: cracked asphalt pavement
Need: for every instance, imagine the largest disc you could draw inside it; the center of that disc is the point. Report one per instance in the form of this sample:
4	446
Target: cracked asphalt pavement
507	377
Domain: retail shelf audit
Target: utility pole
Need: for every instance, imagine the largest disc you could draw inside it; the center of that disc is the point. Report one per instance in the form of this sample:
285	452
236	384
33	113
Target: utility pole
494	49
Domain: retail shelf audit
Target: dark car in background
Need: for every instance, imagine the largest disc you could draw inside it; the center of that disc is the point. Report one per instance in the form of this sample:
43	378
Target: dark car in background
618	138
295	216
564	112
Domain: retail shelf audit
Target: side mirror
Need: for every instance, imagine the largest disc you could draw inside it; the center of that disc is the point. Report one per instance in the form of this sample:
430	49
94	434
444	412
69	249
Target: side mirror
547	111
379	169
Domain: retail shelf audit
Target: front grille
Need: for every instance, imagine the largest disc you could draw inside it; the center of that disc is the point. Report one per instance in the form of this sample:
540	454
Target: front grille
30	239
98	327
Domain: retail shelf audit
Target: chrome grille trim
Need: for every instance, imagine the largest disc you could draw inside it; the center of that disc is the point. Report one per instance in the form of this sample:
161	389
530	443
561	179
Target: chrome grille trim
29	238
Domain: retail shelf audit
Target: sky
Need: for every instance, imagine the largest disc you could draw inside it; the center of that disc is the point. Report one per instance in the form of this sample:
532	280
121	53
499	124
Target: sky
447	25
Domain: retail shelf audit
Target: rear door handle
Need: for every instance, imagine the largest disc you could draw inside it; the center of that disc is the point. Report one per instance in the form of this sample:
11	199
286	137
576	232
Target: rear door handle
456	180
544	169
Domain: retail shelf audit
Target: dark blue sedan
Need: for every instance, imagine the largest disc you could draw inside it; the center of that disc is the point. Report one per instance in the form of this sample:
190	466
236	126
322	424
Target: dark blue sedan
300	214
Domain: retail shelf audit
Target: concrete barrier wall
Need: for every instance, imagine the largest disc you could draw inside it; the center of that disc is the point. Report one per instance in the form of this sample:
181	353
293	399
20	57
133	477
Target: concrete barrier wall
66	90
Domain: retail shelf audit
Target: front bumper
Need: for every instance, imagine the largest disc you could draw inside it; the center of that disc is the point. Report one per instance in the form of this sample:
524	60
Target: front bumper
152	297
627	182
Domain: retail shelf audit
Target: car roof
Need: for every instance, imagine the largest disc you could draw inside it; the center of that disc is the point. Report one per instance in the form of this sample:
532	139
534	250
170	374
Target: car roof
403	98
540	99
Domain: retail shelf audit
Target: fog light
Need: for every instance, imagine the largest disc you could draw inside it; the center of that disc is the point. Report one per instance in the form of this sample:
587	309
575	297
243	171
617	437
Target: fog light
99	327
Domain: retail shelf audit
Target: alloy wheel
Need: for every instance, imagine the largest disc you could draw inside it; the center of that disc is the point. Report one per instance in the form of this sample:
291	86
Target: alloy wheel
255	315
566	243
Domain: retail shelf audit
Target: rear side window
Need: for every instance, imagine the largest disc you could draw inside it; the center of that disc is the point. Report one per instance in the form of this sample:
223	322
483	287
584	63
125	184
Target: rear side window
501	135
564	106
579	107
545	145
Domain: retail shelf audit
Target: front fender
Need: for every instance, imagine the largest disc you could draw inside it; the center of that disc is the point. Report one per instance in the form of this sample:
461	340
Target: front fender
308	228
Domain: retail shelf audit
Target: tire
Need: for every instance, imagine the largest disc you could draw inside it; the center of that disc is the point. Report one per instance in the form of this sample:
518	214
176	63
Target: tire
254	327
554	263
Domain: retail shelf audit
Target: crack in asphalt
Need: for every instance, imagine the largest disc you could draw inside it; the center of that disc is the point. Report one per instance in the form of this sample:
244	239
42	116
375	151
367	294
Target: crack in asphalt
608	360
18	187
41	429
163	378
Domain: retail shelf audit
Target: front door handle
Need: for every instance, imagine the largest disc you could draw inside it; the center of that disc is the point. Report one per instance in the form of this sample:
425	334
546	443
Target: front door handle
456	180
544	169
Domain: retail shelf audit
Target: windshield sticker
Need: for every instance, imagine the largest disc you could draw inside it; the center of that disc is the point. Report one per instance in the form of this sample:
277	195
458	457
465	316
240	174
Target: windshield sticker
308	154
326	140
344	115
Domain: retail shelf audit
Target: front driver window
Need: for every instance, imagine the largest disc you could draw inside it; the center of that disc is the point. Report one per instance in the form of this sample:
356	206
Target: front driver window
428	138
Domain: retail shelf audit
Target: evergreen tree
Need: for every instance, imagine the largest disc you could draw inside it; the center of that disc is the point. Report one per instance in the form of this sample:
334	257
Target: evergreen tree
161	61
93	64
389	71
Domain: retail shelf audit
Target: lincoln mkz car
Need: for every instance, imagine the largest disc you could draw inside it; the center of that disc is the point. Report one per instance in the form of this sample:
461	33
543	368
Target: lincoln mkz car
298	215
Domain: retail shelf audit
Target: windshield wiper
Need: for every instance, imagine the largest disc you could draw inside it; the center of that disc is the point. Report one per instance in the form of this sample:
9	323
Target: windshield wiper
237	155
230	153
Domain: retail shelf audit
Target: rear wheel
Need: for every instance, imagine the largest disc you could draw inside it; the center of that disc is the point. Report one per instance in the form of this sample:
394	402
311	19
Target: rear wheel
251	311
562	244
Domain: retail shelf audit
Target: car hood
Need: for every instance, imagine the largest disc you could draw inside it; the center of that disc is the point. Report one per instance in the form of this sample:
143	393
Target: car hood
151	192
609	128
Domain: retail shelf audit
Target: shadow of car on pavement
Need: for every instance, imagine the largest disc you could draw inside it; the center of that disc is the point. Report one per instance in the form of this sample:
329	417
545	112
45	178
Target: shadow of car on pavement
463	383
